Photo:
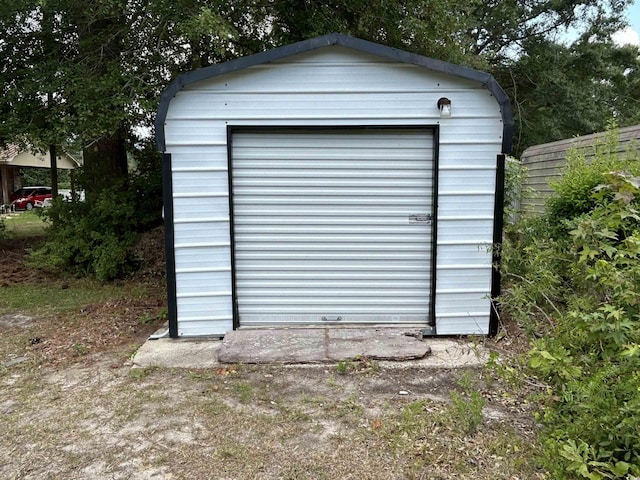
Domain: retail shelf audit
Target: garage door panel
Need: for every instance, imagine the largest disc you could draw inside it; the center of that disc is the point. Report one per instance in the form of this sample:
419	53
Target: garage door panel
314	283
336	239
332	229
401	222
374	165
289	200
354	275
329	186
333	256
321	191
332	211
308	141
265	318
367	247
326	227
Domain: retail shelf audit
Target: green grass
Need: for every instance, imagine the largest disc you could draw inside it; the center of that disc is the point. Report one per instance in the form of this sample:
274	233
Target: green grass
25	224
54	299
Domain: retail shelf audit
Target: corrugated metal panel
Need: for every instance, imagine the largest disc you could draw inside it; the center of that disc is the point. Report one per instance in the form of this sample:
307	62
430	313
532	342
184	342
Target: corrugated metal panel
323	226
468	323
318	70
227	105
201	236
314	89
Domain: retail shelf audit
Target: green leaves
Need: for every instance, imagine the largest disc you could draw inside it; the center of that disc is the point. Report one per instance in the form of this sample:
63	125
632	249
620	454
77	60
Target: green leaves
588	352
558	363
106	62
578	454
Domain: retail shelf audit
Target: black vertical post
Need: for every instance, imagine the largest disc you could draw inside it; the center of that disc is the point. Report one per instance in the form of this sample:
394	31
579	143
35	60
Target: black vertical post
169	246
434	230
498	223
234	294
54	171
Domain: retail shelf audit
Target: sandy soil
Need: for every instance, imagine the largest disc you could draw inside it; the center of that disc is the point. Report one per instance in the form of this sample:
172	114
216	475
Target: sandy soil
71	407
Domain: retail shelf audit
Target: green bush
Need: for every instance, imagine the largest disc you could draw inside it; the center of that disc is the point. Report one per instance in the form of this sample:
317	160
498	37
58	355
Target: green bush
592	360
145	188
579	292
515	173
3	229
90	239
533	264
95	238
572	195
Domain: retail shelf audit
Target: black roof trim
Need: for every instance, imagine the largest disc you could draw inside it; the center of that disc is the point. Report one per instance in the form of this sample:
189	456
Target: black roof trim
345	41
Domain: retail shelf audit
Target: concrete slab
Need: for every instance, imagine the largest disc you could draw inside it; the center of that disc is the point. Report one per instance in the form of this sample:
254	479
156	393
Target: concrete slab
375	344
273	346
305	346
171	353
319	345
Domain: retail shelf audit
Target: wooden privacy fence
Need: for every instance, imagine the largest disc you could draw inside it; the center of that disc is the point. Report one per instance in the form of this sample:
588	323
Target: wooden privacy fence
544	163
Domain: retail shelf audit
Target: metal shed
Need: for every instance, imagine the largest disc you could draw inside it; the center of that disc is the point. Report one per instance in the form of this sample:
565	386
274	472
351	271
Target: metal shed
333	181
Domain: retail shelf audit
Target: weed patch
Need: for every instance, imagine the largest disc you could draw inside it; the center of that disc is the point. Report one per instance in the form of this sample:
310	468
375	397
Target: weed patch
574	279
357	365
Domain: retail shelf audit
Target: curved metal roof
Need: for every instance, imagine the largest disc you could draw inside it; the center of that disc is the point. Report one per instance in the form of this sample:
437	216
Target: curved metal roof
395	54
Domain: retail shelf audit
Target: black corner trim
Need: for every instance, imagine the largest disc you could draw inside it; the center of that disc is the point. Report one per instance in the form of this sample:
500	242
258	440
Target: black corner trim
234	290
434	232
498	213
169	245
344	41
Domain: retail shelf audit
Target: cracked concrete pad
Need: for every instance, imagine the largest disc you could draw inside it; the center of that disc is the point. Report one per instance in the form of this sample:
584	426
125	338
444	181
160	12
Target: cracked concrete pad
378	344
321	345
316	343
273	346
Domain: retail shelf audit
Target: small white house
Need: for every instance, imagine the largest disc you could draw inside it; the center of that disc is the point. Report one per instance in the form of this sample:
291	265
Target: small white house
333	182
13	159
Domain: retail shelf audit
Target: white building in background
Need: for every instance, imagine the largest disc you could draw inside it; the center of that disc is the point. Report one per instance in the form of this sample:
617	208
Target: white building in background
12	159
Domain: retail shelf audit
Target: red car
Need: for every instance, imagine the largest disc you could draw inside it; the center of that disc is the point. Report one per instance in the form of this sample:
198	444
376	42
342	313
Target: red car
26	198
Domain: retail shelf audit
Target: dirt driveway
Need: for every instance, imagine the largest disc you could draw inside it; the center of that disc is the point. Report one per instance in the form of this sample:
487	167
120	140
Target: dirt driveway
72	408
98	419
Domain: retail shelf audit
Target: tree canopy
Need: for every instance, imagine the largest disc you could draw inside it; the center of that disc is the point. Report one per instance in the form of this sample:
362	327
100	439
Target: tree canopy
92	72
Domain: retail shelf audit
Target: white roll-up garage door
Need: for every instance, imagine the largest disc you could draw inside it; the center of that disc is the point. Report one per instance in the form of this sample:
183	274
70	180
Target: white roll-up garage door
333	225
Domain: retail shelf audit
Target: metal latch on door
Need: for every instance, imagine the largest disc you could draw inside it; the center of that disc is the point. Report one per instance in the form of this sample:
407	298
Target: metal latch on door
420	218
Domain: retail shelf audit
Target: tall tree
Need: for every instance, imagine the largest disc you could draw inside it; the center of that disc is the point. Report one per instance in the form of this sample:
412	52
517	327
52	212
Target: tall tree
560	91
97	78
429	27
559	88
61	79
504	29
103	65
110	59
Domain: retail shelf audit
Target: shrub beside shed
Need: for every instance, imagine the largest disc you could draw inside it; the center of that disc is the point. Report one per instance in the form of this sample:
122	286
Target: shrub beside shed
333	182
544	163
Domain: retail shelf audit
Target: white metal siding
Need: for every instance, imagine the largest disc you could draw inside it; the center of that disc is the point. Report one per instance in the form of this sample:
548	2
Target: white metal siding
322	226
332	87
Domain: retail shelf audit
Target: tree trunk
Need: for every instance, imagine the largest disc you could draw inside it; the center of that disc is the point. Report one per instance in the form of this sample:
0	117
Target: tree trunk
100	45
105	163
53	159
